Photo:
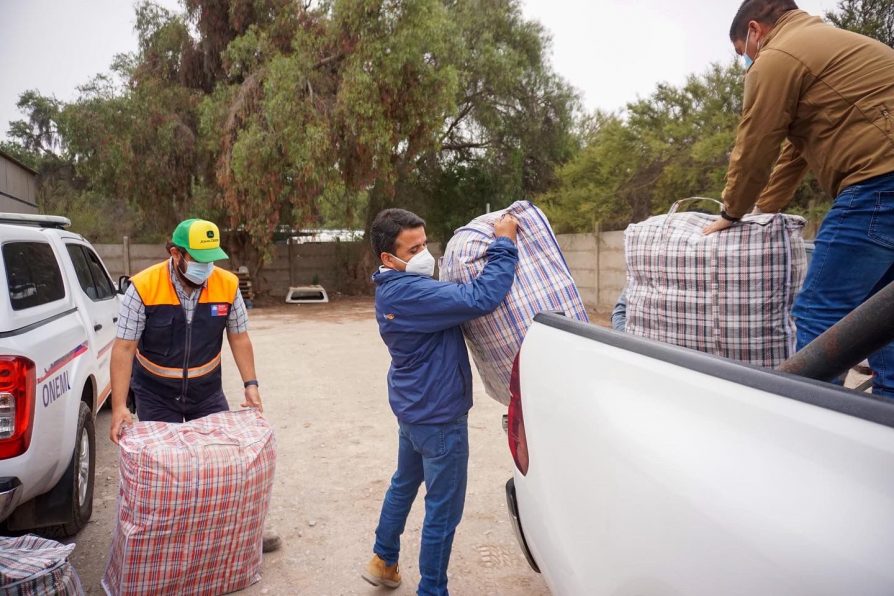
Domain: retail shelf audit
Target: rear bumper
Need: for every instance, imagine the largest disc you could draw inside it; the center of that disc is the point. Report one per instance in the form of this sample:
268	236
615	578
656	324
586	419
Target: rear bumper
9	493
512	504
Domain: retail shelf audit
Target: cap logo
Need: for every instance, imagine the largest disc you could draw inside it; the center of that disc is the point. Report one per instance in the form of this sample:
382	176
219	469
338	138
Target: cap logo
203	235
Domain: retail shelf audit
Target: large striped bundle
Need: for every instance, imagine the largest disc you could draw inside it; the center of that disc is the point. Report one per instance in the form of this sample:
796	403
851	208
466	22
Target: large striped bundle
729	293
191	506
33	566
542	283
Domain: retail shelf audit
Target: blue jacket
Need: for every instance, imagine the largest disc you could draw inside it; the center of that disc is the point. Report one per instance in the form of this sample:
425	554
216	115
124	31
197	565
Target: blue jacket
430	381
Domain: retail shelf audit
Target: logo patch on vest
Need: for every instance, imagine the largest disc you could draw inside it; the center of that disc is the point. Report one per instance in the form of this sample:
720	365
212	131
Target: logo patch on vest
220	310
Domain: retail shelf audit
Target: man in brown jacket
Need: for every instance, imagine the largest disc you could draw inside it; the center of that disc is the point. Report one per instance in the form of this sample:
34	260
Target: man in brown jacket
821	98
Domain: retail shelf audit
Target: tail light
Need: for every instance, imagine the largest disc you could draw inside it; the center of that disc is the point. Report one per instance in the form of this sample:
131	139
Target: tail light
17	396
518	442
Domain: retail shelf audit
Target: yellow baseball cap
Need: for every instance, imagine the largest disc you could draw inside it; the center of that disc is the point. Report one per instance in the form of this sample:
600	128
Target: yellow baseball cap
201	239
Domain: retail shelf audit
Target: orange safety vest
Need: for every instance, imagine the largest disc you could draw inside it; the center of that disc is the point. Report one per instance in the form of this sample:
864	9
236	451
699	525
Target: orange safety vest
176	359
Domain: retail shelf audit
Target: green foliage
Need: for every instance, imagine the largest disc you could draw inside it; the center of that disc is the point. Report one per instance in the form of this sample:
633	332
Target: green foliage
263	113
39	134
671	145
513	122
676	144
873	18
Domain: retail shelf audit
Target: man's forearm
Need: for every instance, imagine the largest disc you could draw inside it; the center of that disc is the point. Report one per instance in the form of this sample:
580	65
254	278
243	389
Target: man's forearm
243	354
121	367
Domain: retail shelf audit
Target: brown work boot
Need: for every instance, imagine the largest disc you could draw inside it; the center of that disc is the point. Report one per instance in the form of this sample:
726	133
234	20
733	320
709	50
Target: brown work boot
271	542
379	574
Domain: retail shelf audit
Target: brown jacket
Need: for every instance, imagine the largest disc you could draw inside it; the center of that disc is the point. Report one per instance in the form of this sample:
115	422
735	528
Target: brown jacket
829	94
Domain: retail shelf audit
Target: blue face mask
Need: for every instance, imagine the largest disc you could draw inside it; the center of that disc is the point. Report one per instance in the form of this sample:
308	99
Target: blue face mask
745	56
197	273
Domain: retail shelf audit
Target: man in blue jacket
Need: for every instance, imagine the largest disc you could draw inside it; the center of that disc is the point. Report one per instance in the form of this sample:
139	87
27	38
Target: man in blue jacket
429	386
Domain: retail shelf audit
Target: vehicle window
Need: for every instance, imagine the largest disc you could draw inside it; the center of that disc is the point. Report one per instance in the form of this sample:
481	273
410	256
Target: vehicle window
82	269
32	274
101	281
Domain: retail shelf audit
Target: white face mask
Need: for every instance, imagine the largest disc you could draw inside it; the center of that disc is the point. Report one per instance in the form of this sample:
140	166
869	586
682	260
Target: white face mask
422	263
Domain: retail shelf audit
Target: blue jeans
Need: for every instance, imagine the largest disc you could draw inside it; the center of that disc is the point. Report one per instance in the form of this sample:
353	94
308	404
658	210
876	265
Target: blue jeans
853	259
439	455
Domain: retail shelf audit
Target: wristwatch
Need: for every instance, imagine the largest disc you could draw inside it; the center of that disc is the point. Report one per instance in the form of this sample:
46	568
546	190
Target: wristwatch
728	217
254	382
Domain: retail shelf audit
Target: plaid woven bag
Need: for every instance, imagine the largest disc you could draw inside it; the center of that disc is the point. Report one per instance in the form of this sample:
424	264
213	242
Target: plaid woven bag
191	505
730	293
542	283
34	566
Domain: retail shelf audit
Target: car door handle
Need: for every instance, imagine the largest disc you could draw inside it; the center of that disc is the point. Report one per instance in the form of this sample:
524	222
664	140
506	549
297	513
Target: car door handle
97	327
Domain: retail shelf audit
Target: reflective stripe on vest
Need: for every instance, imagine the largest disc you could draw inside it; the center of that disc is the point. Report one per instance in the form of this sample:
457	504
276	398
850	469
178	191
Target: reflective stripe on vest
177	373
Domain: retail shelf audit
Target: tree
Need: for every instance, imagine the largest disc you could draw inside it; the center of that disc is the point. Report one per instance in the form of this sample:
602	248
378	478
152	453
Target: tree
671	145
511	127
873	18
361	94
384	103
264	113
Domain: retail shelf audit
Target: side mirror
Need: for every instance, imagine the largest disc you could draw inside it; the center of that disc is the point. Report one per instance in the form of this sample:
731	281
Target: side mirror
123	283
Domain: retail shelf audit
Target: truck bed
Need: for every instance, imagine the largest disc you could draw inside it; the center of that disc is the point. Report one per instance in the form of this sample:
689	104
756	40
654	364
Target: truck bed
660	470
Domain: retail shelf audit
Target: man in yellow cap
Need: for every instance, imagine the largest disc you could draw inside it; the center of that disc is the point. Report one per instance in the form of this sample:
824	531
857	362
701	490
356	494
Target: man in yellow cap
170	333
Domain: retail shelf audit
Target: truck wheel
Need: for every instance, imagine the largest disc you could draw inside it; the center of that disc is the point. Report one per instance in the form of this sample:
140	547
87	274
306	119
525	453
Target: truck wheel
83	463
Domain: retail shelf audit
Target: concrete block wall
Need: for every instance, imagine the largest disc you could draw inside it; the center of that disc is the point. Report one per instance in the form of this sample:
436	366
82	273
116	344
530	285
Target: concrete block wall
596	262
597	265
337	266
141	256
583	261
612	269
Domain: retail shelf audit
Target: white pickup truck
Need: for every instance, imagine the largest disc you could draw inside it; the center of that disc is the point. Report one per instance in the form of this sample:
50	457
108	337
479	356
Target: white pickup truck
647	469
58	309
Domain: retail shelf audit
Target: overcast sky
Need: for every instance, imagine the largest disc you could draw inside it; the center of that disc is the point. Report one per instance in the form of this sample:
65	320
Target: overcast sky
611	50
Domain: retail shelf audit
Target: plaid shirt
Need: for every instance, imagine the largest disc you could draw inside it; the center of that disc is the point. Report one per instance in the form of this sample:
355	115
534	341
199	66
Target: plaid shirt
132	314
542	283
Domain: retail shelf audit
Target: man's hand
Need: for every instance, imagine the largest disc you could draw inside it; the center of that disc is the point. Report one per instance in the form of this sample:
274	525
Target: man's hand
121	417
506	227
717	226
253	398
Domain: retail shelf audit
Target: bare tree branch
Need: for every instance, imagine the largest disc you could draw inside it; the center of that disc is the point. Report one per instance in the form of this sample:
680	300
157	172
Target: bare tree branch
456	121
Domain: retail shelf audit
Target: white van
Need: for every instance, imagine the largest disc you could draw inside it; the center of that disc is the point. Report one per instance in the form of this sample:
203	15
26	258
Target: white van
58	310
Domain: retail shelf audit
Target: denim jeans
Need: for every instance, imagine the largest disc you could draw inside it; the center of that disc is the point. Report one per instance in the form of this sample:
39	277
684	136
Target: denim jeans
439	455
853	259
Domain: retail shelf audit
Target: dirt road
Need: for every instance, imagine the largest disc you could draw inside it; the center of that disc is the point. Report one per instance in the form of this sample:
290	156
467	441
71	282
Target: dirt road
322	372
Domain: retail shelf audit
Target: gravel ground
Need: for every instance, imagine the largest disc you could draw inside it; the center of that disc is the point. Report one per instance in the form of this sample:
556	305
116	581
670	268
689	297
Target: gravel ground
322	371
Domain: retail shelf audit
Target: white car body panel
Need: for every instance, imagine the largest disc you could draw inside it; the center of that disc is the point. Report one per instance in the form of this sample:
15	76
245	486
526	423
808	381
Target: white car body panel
649	478
59	337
